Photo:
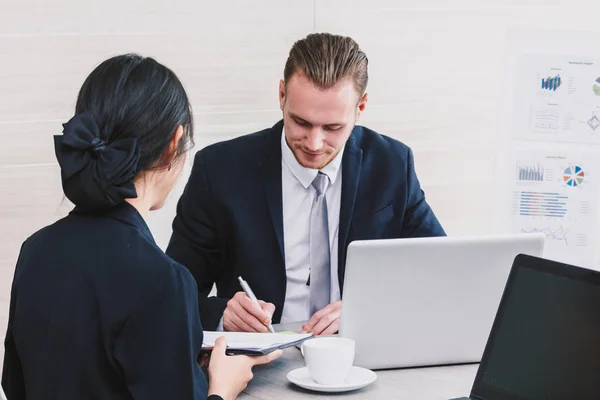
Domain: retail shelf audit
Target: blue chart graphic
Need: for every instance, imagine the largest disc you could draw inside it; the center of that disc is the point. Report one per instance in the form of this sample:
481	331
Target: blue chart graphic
573	175
551	83
559	233
531	173
540	204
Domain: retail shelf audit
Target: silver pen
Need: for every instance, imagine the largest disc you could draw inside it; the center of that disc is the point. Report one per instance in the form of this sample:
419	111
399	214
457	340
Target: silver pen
250	294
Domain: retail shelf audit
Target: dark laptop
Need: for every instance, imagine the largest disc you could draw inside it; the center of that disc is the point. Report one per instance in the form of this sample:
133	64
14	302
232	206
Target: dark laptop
545	340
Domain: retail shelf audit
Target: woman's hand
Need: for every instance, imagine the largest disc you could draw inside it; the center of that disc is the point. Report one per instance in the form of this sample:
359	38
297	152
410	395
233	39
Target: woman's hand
229	375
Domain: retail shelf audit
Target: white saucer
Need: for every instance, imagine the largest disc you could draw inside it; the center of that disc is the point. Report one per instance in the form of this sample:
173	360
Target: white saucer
357	378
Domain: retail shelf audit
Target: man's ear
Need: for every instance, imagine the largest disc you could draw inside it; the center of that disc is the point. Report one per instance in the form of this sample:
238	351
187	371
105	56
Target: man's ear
281	94
362	104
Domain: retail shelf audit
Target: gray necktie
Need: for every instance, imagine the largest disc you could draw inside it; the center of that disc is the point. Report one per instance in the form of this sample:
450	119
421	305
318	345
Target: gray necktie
319	247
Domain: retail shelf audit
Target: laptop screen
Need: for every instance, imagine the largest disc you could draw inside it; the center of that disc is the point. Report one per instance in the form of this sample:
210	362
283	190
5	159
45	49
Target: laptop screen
545	342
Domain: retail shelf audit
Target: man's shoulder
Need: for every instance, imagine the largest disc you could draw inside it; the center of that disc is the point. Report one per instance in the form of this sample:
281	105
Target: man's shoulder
239	148
374	144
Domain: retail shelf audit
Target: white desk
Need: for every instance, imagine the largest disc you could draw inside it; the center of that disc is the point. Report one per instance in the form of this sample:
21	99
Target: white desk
435	383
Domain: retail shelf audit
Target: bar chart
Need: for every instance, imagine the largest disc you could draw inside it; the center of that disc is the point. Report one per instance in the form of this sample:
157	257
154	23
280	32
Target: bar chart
551	83
542	204
531	173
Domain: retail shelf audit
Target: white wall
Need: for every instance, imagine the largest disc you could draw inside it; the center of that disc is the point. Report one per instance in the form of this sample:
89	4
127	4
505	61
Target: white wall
436	76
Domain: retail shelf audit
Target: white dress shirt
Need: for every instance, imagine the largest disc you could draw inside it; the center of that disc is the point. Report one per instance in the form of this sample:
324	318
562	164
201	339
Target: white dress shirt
298	195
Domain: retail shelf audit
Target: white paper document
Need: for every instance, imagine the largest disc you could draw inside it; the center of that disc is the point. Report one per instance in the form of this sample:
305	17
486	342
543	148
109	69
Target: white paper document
557	98
556	193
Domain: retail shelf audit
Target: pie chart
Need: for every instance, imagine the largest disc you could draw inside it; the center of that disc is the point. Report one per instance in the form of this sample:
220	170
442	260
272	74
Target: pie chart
573	175
596	87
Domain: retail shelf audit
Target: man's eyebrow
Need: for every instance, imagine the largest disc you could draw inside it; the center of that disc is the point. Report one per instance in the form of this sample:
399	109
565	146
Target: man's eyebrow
298	118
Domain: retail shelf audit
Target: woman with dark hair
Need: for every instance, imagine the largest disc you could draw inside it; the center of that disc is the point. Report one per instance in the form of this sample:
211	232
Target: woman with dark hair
97	310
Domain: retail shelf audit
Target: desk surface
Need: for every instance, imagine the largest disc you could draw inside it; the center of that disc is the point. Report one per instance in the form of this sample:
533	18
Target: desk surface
435	383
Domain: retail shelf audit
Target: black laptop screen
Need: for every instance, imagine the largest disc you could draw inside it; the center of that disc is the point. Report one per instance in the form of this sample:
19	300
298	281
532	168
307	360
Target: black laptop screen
546	340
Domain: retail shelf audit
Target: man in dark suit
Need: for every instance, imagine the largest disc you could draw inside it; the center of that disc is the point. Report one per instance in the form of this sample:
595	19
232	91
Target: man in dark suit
279	207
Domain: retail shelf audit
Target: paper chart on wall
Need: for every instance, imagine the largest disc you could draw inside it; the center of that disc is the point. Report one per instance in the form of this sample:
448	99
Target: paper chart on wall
556	193
557	98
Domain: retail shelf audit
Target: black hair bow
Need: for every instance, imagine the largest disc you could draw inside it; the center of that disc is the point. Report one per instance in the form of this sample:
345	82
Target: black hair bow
95	175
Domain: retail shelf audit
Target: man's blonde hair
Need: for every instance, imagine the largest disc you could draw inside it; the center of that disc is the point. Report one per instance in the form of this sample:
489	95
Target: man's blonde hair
327	59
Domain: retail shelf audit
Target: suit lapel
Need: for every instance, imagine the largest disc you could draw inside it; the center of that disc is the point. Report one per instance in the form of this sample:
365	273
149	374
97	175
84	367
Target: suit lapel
351	167
270	167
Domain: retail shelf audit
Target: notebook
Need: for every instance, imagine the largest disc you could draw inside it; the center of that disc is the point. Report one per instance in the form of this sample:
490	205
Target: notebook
253	343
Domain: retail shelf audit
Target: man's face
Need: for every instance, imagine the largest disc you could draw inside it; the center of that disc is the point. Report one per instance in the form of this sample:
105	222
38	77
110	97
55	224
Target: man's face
318	122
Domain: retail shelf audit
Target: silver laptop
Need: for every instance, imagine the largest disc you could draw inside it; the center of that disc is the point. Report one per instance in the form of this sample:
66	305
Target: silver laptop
426	301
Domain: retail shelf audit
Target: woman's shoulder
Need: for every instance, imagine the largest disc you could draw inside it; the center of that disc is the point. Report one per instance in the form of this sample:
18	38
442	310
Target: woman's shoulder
102	243
121	259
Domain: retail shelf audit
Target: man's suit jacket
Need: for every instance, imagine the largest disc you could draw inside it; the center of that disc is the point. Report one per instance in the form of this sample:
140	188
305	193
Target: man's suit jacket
229	220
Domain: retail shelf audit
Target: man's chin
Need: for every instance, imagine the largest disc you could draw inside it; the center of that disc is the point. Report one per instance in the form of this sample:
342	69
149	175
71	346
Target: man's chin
313	164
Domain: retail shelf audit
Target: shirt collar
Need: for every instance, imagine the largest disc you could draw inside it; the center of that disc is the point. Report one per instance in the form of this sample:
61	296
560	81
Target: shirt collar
306	175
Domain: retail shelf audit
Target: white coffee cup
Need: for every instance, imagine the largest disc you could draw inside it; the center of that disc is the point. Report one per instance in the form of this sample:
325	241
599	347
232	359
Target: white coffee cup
328	359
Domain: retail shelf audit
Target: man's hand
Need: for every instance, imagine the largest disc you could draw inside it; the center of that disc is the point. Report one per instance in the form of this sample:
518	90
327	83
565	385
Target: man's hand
325	321
243	315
